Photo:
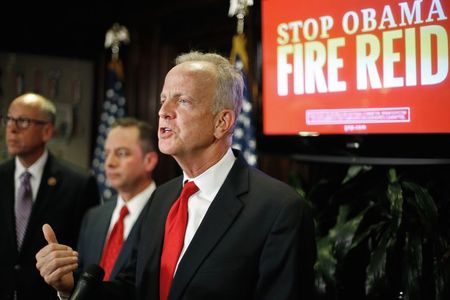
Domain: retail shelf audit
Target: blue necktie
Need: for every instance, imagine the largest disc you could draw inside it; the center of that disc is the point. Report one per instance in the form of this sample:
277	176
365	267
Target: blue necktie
23	206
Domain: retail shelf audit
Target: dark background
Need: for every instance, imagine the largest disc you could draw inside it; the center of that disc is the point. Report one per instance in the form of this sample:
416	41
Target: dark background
158	32
79	31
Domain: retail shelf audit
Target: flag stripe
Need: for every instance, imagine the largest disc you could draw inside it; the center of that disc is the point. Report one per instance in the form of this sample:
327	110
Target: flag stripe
244	137
113	108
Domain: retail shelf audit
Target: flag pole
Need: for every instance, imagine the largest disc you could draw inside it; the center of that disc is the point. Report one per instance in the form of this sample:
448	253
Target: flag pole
244	138
115	36
114	104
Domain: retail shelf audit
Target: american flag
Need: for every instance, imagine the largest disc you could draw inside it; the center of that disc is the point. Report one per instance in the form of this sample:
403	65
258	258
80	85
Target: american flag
113	108
244	134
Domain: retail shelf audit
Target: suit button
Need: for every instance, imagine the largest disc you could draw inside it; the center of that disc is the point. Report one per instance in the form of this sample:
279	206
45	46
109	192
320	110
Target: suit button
17	267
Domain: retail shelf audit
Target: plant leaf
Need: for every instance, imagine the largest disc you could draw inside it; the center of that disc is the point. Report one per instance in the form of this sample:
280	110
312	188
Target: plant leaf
376	270
412	266
424	205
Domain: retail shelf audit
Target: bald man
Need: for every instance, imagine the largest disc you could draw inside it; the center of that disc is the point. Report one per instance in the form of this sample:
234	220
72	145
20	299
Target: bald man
35	188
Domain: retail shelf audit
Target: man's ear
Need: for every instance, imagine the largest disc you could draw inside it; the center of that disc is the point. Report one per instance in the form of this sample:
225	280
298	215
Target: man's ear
224	121
47	132
150	161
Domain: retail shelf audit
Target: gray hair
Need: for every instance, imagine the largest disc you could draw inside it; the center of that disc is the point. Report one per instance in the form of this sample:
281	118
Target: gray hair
230	84
49	110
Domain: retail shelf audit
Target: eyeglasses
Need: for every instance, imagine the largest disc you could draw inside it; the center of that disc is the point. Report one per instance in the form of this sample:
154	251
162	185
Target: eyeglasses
22	123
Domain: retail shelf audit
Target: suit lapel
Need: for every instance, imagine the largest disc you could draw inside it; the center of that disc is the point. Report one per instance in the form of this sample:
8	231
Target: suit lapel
127	247
50	181
153	225
124	254
219	217
102	229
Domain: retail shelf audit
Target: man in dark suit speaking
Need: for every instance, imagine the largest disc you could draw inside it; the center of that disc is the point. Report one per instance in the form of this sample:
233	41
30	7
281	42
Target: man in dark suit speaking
35	188
222	230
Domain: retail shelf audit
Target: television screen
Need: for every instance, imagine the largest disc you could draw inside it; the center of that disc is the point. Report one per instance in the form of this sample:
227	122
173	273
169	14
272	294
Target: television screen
355	67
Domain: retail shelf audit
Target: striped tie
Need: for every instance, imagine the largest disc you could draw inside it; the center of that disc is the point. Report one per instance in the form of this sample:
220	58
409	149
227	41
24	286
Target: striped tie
23	206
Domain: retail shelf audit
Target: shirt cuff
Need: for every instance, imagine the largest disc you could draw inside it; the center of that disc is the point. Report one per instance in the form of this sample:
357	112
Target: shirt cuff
63	297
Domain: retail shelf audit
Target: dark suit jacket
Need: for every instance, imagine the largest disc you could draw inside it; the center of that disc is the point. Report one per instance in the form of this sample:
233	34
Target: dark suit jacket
255	242
64	195
94	230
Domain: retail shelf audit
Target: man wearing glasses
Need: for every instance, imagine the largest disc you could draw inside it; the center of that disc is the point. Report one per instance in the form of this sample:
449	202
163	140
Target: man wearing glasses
35	188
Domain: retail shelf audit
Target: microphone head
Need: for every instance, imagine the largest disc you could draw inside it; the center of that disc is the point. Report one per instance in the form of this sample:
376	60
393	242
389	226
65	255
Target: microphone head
93	272
87	283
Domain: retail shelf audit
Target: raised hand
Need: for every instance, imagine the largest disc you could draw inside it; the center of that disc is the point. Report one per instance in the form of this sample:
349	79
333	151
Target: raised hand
56	263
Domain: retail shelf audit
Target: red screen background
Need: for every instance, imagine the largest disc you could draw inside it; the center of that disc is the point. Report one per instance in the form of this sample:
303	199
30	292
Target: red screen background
353	111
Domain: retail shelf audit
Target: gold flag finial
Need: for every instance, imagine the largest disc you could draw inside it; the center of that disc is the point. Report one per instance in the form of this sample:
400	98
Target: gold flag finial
239	8
116	35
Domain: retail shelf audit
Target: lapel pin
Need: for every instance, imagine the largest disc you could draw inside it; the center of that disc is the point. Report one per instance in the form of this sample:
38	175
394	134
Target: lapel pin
51	181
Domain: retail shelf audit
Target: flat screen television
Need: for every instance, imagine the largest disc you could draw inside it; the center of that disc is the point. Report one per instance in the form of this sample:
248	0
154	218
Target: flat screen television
356	80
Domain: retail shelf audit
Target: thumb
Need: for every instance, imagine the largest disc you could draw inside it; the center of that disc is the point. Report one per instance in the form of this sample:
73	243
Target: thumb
49	234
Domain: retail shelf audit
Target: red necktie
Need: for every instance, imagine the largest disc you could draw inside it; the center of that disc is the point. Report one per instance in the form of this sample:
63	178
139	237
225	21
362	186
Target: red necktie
174	238
113	245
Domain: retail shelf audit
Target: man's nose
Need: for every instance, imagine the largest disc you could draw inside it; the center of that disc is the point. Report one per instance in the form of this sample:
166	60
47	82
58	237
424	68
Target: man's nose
110	159
166	110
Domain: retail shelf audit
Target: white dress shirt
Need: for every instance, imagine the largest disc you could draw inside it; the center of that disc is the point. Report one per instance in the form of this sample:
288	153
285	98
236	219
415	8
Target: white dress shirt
209	183
36	170
135	206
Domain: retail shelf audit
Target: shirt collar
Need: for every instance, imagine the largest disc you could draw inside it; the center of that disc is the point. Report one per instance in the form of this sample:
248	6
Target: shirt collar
137	203
210	181
36	169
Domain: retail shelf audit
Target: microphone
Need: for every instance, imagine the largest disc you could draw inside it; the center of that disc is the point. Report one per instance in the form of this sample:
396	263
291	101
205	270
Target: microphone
87	282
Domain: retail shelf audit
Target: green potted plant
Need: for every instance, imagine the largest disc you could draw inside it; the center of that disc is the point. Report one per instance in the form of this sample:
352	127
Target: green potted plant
389	239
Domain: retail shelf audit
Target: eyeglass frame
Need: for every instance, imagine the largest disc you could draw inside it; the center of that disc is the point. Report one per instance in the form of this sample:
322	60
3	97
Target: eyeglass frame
28	121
